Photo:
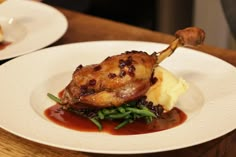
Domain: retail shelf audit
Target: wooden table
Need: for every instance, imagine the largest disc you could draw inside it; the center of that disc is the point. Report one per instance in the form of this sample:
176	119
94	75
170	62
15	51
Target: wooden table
87	28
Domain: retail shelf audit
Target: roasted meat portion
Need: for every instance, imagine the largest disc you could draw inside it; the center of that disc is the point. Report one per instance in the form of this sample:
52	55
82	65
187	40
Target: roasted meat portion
116	80
121	78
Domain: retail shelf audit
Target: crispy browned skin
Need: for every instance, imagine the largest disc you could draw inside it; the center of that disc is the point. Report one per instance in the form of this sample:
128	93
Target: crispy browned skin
122	78
116	80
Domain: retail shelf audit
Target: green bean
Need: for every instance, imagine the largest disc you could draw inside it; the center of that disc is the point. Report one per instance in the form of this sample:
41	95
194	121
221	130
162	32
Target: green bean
54	98
142	112
122	124
121	109
100	114
136	116
144	107
148	119
107	111
75	111
119	115
97	123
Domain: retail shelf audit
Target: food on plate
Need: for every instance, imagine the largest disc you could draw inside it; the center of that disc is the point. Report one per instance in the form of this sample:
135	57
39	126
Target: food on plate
121	78
118	79
128	87
167	89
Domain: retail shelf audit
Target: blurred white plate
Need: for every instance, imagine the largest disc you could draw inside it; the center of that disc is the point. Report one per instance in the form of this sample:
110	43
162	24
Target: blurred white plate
25	81
29	26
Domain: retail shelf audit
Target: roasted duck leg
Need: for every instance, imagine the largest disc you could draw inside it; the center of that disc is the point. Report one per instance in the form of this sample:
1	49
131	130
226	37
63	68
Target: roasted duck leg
121	78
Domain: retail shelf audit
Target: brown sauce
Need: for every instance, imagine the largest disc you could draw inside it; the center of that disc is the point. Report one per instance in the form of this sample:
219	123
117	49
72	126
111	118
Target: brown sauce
4	44
67	119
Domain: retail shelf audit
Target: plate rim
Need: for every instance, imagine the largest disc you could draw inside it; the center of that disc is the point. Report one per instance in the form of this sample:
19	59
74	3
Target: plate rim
57	36
97	151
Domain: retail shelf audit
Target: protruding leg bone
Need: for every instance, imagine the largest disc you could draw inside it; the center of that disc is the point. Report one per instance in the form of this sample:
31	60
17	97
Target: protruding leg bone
191	36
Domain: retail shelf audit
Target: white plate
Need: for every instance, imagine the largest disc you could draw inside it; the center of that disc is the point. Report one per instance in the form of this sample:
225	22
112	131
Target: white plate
209	102
29	26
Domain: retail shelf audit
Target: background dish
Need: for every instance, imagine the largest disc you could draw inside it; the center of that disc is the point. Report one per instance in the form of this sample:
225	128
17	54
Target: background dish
28	25
24	100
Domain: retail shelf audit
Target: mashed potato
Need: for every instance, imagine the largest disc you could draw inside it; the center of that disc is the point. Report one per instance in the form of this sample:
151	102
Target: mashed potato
167	89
